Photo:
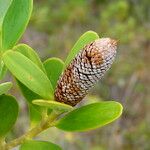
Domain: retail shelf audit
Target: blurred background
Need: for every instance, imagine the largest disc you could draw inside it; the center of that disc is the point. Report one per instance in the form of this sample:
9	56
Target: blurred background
56	25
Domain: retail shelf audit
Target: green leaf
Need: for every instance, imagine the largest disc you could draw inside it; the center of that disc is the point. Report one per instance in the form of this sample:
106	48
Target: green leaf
8	113
91	116
34	111
29	53
28	73
4	87
85	39
29	95
3	70
35	116
32	55
57	106
53	67
39	145
4	5
15	22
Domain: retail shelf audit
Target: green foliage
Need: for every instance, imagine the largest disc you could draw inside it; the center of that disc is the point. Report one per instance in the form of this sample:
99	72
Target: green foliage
8	113
4	87
42	14
53	67
39	145
85	39
38	80
56	106
28	73
35	112
90	116
14	22
29	53
116	17
3	70
28	94
35	115
4	5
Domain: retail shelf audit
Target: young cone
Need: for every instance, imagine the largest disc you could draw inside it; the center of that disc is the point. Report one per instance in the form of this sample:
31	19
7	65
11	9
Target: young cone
86	69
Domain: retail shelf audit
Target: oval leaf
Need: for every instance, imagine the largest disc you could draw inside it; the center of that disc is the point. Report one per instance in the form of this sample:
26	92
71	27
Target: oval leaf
53	105
85	39
53	67
39	145
15	22
4	87
28	73
90	116
29	53
8	113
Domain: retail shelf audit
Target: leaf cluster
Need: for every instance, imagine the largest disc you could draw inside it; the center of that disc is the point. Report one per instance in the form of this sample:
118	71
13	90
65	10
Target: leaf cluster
37	81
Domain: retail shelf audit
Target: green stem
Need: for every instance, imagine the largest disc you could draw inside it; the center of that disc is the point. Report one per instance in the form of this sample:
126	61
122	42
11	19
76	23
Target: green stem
44	114
33	132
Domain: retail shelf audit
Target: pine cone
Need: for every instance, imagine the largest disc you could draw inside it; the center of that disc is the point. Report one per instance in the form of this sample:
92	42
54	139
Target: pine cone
86	69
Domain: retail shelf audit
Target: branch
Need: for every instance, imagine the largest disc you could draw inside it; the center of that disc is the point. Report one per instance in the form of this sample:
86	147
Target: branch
50	121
